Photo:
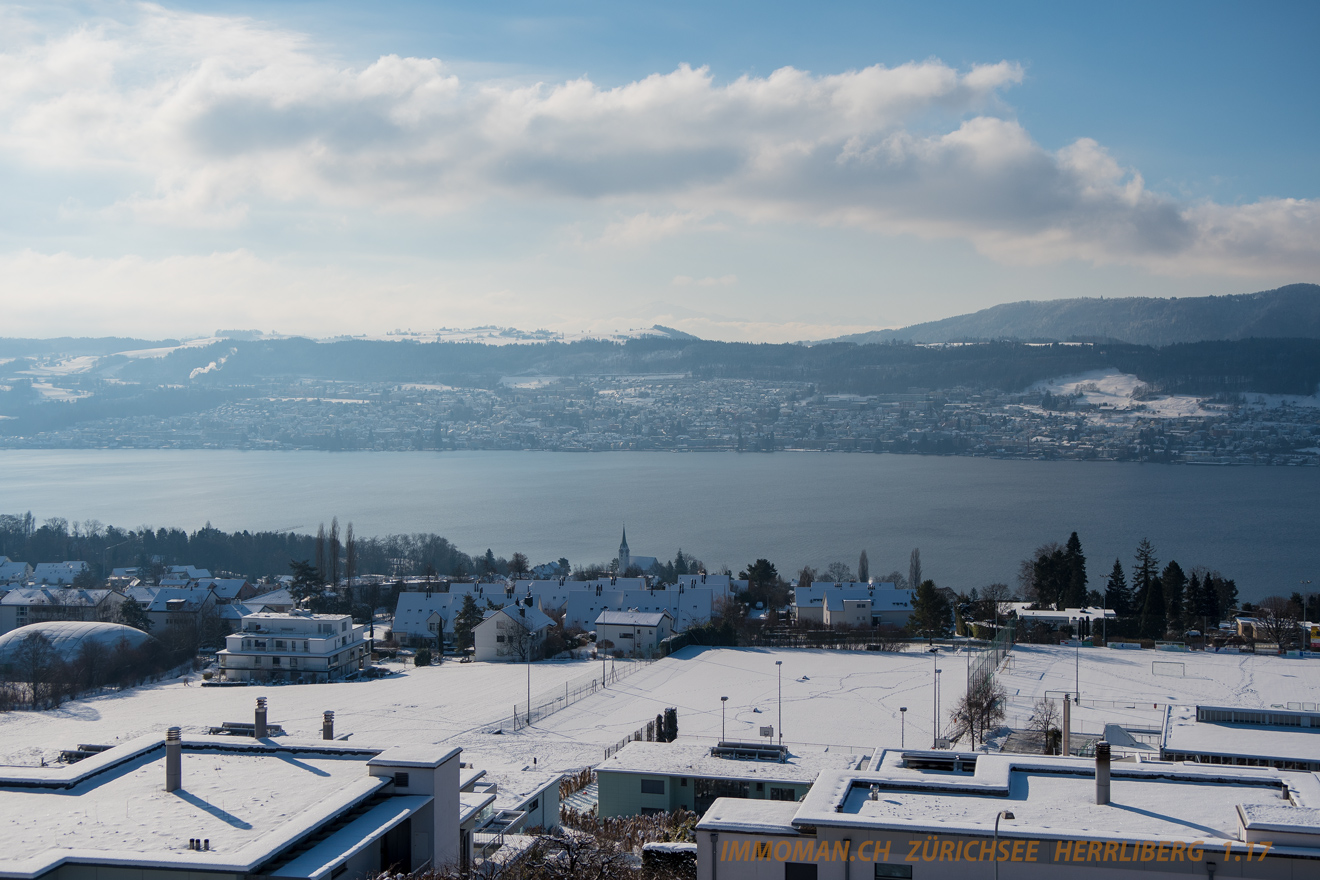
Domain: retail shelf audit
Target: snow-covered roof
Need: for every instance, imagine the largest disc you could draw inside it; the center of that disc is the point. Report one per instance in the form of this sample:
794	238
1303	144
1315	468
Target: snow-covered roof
67	598
250	799
686	608
57	572
1050	797
413	613
67	637
530	619
1066	614
633	618
1296	739
681	759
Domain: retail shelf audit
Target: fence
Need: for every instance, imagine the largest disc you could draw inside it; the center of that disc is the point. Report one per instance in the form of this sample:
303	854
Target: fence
549	702
987	662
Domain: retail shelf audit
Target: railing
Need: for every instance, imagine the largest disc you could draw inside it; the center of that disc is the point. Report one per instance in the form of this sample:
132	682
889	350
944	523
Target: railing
550	702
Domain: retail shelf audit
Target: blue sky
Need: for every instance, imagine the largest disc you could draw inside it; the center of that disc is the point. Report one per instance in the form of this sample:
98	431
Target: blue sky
739	170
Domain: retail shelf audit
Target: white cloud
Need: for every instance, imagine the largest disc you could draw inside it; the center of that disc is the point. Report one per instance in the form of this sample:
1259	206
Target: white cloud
209	121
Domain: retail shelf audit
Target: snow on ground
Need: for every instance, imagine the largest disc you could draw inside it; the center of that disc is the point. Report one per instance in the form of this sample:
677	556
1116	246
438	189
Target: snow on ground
1114	391
830	699
54	392
1120	686
1277	401
426	705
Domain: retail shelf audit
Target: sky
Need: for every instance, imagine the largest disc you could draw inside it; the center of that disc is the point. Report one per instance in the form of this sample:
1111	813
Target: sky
752	171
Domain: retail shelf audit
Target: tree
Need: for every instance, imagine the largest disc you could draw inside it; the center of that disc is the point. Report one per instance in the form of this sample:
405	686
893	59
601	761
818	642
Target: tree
838	573
321	567
488	564
931	612
863	568
131	613
306	580
1045	721
518	564
1175	585
1279	622
34	663
1074	591
423	657
1144	573
1049	576
898	579
1154	623
333	552
763	584
1193	602
980	709
350	563
469	615
806	577
1117	594
914	568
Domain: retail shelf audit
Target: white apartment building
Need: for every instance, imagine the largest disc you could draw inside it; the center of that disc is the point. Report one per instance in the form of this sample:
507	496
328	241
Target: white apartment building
297	647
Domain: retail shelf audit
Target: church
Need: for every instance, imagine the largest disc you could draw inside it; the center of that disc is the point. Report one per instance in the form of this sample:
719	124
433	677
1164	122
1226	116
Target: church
627	560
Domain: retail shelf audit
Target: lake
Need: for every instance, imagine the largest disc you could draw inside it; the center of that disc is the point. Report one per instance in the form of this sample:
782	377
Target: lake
972	518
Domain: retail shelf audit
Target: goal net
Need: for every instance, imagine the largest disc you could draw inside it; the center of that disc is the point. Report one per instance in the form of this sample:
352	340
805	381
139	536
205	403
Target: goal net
1165	667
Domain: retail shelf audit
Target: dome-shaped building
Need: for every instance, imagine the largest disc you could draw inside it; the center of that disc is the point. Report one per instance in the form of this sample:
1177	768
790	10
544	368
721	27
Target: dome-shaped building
68	636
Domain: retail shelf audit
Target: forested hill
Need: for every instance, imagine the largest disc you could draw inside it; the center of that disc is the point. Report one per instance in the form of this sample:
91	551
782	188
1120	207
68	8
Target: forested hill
1292	311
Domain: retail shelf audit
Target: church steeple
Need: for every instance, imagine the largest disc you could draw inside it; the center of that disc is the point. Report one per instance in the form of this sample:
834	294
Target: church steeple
624	555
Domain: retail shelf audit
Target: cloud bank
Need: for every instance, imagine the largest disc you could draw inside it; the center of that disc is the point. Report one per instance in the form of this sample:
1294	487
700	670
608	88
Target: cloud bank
206	121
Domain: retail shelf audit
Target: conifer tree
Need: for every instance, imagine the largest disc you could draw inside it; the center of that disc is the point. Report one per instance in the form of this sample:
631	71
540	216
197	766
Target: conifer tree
863	568
1117	594
1074	592
1144	573
1175	585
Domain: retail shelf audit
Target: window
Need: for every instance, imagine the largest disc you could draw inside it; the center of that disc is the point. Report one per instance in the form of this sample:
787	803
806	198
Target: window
799	871
783	794
534	804
400	780
293	662
626	635
884	872
499	638
653	786
274	661
279	645
683	782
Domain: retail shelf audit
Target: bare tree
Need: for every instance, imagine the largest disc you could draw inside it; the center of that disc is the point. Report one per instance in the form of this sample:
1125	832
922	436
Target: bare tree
839	572
980	709
34	664
1044	720
1279	622
350	564
914	568
320	552
333	552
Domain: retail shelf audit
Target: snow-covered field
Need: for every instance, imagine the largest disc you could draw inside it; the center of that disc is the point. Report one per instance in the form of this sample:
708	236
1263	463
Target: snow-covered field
1114	391
830	699
1121	687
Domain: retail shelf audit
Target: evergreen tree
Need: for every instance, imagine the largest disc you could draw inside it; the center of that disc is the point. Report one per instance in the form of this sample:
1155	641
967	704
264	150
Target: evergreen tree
131	613
468	617
1144	573
914	568
306	580
1074	593
1154	611
1175	585
931	612
1193	602
1117	595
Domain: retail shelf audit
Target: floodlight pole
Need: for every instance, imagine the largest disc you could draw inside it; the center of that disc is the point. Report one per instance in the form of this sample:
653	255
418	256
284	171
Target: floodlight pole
934	697
779	667
1077	673
937	705
902	727
723	700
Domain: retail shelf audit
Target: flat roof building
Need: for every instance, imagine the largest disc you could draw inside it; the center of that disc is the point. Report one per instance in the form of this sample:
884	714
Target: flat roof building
297	647
189	808
1282	738
935	815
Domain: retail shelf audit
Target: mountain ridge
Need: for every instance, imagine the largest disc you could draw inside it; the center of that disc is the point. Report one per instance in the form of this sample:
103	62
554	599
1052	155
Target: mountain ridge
1291	311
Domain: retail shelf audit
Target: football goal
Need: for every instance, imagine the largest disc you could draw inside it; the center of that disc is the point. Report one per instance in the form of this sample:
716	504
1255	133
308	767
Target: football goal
1166	667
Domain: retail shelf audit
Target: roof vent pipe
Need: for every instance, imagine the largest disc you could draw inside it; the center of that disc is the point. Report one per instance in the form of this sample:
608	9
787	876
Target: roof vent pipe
259	728
173	760
1102	773
328	725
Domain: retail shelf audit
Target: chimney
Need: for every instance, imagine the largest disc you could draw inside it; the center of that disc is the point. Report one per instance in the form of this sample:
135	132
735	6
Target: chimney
328	725
259	729
173	760
1102	773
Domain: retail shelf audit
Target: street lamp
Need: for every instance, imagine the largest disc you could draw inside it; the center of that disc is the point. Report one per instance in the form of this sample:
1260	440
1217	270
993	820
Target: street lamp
1002	814
779	668
723	737
937	706
934	697
902	727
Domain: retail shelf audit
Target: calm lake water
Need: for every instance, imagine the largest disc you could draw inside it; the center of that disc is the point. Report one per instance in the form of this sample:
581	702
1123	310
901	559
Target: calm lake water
973	518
